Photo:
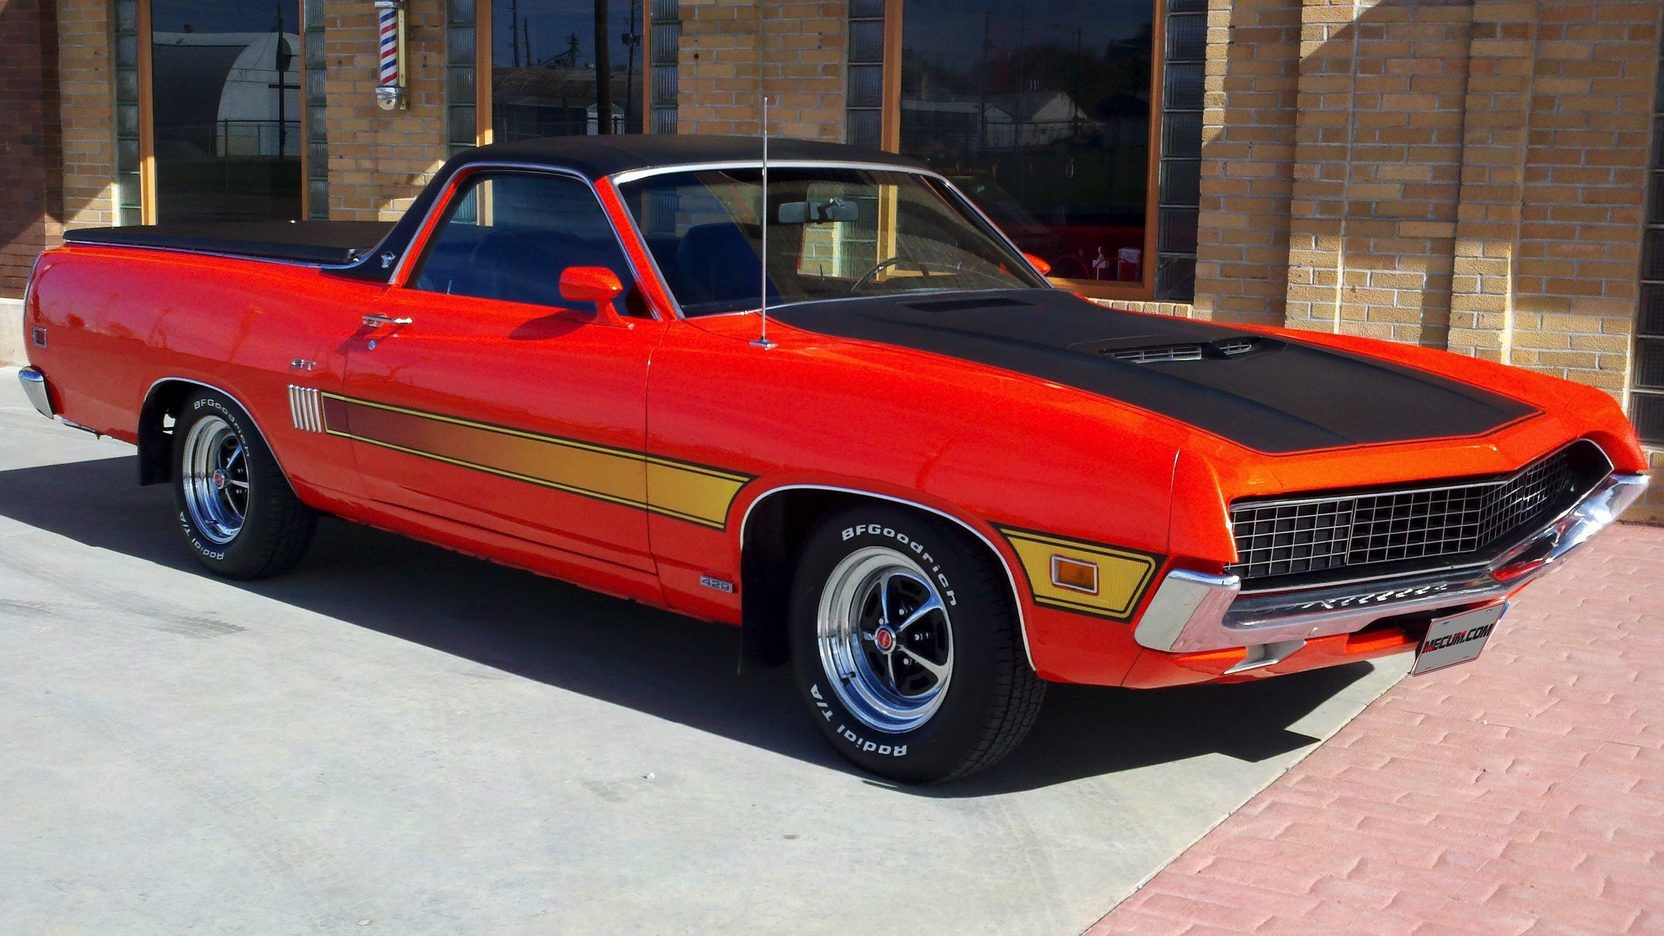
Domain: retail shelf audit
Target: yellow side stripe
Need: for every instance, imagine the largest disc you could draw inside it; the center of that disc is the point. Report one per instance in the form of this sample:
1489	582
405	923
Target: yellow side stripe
681	490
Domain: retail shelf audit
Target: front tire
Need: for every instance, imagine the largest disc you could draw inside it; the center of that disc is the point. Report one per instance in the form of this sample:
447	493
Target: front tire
906	646
237	511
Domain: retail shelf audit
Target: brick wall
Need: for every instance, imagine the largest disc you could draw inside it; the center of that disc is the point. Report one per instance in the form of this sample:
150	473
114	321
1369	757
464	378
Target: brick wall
31	201
1465	174
1248	144
379	160
731	52
87	91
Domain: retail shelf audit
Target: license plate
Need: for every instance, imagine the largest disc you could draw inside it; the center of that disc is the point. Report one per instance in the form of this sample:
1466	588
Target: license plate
1457	638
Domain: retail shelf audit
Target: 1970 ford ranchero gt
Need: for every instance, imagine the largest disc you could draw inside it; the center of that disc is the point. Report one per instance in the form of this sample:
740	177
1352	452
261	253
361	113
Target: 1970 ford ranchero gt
935	485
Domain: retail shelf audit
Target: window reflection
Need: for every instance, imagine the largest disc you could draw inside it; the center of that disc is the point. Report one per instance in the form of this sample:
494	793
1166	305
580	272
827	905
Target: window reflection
227	109
547	78
1040	109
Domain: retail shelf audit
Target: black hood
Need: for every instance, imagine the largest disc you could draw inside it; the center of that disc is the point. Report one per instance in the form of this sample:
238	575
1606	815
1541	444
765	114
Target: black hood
1268	394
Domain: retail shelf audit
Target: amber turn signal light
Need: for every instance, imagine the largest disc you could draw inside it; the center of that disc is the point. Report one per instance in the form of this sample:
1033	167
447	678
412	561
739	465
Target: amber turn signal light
1075	575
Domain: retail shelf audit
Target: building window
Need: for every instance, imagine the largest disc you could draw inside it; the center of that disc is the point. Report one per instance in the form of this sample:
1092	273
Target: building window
226	109
1647	402
864	101
665	30
1185	32
317	130
462	128
129	194
1646	399
1041	110
565	67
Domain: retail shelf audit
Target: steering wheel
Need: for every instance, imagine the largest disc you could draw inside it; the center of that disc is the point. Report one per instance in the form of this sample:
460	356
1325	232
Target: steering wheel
923	265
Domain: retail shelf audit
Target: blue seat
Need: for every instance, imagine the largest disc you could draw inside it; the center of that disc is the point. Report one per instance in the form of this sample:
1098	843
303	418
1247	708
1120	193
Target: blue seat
717	266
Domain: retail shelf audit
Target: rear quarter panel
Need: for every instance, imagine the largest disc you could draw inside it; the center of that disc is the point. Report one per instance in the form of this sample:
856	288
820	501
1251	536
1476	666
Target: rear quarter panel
119	320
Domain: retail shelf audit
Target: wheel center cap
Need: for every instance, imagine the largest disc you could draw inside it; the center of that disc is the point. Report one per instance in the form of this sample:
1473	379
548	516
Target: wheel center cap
884	639
219	480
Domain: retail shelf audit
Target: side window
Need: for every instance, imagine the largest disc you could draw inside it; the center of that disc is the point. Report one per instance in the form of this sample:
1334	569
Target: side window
510	236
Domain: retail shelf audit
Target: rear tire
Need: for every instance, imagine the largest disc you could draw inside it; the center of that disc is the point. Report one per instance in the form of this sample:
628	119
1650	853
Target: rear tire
906	646
237	511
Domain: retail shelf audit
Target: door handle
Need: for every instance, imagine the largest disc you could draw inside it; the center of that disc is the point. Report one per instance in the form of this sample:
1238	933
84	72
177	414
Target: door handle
375	320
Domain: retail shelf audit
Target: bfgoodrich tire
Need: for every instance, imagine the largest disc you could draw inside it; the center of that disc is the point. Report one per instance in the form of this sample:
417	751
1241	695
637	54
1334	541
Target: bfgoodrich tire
238	513
906	646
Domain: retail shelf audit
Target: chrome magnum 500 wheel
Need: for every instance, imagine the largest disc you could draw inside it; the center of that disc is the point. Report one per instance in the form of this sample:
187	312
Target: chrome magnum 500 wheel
235	508
886	646
214	472
906	646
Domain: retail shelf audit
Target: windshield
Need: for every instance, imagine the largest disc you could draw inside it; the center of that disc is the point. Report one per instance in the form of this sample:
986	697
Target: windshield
832	233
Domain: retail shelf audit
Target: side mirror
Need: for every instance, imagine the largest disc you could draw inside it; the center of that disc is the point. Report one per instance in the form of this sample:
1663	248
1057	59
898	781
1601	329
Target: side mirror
593	284
1039	264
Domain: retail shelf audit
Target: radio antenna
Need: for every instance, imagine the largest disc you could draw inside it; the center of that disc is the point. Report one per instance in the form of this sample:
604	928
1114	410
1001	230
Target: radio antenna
762	260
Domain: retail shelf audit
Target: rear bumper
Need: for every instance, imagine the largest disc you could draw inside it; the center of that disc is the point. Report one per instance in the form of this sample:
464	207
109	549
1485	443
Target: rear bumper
1193	612
34	387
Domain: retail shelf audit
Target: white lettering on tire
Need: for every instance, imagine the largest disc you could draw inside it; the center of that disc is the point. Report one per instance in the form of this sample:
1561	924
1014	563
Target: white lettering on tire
911	545
843	731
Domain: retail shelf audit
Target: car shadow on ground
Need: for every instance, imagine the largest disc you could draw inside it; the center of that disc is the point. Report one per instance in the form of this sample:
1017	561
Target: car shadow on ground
658	663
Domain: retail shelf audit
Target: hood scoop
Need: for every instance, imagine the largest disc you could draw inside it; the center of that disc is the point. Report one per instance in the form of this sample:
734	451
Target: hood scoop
962	305
1134	351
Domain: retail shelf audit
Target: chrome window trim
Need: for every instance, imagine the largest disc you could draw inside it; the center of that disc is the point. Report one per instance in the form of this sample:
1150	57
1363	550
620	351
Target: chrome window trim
425	233
993	230
632	175
922	294
247	258
1011	579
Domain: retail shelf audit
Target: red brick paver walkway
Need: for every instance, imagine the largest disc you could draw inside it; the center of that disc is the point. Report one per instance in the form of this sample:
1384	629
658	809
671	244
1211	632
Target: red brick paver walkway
1524	790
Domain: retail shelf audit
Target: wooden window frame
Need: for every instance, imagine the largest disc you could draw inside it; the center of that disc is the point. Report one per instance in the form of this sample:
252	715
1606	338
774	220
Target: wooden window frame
484	71
145	68
147	129
1145	289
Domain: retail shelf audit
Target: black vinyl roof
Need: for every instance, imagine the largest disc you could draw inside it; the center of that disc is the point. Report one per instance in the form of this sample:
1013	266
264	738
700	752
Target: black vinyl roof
349	244
599	156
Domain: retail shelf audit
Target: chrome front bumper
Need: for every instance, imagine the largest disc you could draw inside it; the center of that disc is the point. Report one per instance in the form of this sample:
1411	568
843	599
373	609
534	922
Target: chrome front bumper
1192	611
34	387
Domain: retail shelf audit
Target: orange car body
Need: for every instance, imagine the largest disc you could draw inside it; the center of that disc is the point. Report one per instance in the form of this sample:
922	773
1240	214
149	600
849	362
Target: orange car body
467	426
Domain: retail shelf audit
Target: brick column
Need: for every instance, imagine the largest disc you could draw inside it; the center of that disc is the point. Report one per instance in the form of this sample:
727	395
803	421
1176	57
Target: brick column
719	80
1584	177
732	50
31	201
1501	64
1377	166
379	160
1248	144
86	86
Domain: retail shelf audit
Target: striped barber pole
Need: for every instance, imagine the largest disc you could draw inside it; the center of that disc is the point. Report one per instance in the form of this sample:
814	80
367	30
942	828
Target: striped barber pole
390	84
389	44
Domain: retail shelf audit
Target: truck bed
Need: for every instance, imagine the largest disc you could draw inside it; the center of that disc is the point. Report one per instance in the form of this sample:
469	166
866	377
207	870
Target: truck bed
319	242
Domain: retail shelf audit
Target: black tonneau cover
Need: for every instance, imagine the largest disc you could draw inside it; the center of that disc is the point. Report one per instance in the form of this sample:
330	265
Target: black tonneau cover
322	242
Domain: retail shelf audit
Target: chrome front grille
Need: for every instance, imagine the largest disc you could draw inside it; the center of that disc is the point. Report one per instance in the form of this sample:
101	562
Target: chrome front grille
1317	535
